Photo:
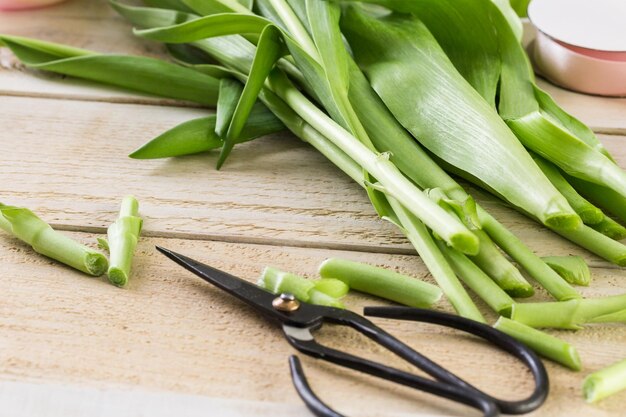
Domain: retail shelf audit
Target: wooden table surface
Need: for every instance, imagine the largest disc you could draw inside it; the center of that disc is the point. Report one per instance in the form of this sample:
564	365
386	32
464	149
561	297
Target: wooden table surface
168	345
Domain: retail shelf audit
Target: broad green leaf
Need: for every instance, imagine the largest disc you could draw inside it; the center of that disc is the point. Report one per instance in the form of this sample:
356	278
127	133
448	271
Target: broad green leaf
453	230
323	17
423	90
230	93
199	135
511	17
135	73
558	145
575	126
294	25
479	62
536	120
572	268
234	52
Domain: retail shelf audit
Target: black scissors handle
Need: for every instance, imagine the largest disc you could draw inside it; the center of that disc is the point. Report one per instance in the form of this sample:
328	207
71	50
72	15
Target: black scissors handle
494	336
446	384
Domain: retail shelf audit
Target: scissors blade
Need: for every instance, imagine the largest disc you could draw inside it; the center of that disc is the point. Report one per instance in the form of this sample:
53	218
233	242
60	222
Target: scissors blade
249	293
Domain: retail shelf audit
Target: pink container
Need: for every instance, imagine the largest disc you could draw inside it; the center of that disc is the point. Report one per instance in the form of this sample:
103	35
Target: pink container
581	44
25	4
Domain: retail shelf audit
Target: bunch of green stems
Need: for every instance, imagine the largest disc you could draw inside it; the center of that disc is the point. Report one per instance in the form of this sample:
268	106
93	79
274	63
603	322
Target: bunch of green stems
371	124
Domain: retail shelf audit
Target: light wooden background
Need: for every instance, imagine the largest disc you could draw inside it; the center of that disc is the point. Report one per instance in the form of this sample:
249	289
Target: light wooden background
168	344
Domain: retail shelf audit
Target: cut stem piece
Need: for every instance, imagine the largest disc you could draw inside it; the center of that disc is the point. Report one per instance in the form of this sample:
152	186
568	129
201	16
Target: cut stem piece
542	343
558	315
570	314
381	282
278	282
26	226
605	382
572	268
123	236
333	287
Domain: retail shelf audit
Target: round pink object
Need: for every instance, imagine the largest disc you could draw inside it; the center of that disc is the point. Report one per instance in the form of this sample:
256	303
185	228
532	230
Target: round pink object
581	44
25	4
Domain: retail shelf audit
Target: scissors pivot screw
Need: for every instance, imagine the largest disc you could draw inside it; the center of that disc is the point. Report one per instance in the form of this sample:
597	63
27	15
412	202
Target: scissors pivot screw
286	302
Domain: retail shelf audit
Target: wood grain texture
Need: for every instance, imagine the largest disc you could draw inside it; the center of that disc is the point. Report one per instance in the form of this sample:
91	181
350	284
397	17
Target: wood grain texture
169	331
172	345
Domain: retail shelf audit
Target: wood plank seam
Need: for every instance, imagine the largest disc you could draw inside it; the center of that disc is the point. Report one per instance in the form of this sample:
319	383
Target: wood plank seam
287	243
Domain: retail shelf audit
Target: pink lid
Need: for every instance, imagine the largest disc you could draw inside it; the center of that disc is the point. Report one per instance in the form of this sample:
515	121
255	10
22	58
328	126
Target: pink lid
581	44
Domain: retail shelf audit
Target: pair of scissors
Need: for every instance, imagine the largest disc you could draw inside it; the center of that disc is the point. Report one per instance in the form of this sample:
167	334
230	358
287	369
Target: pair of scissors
299	320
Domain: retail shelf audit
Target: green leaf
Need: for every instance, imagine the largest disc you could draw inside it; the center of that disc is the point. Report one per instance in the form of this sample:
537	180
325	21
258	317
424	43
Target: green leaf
269	50
428	96
579	129
142	74
511	17
206	27
534	117
572	268
520	7
323	18
230	92
558	145
199	135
